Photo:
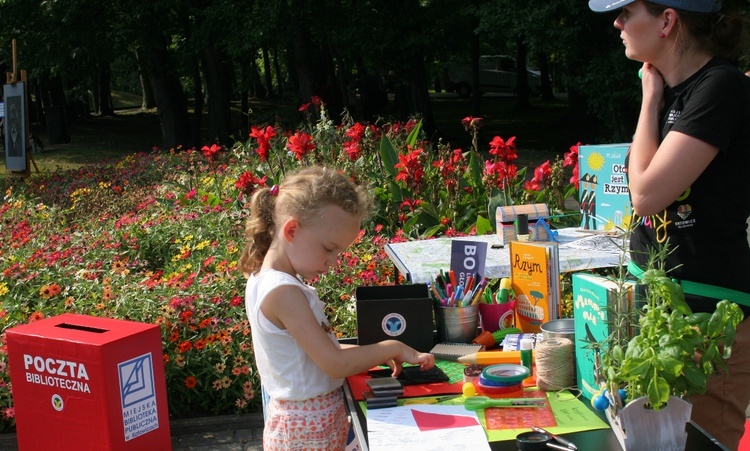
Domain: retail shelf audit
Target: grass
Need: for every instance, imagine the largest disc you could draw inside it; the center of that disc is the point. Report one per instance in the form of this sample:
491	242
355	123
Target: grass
540	131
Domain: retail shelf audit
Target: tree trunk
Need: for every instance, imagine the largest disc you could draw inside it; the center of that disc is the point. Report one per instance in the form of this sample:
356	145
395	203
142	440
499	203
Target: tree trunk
474	53
104	83
267	75
522	82
277	70
197	101
170	99
548	93
147	91
218	93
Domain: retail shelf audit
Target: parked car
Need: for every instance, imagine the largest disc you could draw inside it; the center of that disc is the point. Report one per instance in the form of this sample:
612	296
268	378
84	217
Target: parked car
497	73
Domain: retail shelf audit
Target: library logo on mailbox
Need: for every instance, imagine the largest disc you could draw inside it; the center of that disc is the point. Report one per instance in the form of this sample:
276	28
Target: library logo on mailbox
139	413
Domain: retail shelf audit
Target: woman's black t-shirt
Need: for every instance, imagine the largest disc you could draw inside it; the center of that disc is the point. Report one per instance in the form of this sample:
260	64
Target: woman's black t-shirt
706	227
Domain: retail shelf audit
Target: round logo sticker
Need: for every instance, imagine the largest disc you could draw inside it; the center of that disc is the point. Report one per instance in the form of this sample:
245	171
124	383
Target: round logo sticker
57	402
393	324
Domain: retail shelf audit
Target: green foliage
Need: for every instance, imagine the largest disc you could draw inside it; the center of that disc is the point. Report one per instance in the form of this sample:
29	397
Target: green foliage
156	238
675	350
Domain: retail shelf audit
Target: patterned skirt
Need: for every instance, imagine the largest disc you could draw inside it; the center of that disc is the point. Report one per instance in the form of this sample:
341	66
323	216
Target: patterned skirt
319	423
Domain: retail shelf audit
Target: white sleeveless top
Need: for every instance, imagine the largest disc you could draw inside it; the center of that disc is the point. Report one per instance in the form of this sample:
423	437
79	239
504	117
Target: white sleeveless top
286	371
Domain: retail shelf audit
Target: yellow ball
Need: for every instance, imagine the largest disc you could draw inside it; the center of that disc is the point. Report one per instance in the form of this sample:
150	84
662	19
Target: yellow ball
469	390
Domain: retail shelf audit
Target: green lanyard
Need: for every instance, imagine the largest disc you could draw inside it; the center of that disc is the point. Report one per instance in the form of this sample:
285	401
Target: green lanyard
701	289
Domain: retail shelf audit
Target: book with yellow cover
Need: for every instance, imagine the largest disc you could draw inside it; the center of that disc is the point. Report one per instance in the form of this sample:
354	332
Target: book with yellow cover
535	278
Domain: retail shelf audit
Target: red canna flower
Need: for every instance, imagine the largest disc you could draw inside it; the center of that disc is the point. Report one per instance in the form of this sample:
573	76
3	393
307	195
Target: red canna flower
301	143
264	140
248	182
505	150
410	168
210	152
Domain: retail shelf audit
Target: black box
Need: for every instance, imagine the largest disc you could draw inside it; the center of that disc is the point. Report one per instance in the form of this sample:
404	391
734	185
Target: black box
397	312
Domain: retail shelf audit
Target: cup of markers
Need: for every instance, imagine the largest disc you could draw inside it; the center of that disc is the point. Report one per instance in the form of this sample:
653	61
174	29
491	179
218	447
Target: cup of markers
456	310
497	307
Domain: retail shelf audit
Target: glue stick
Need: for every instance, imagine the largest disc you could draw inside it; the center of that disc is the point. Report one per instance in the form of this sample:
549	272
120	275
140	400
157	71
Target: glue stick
504	292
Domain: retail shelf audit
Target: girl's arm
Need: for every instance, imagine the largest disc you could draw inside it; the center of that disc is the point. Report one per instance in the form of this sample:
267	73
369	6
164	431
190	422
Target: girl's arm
287	308
659	174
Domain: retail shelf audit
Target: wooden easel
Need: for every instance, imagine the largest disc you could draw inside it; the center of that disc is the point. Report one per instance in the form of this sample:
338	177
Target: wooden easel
13	78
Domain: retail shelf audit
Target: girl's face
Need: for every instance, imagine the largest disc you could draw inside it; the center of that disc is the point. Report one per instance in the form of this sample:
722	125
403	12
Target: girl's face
639	31
316	244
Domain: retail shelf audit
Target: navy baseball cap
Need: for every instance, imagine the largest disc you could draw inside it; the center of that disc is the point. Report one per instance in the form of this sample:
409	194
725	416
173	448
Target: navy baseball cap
698	6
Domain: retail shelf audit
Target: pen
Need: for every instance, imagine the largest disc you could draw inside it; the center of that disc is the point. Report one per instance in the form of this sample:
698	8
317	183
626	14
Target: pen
557	438
467	298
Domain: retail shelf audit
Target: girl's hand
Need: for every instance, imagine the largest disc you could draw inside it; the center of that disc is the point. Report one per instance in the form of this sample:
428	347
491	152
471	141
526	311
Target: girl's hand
409	355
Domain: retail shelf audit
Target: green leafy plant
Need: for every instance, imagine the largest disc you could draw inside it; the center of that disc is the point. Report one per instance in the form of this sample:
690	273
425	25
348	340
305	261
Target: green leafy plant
674	351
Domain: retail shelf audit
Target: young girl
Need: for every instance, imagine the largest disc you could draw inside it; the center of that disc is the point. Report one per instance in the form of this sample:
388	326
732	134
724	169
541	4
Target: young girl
296	231
687	171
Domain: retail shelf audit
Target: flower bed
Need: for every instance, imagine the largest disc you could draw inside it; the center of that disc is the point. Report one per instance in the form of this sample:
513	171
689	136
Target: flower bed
155	237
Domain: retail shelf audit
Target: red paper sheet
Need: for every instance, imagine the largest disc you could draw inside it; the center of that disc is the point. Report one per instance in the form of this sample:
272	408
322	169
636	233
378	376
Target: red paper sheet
358	385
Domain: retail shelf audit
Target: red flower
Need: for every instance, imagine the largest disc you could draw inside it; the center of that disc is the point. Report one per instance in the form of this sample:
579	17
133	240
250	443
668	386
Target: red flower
499	174
356	131
543	172
191	382
353	150
264	140
301	143
210	152
571	159
248	181
471	123
410	168
505	150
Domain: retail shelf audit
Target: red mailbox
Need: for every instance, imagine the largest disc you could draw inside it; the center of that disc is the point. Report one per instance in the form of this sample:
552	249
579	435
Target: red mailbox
82	382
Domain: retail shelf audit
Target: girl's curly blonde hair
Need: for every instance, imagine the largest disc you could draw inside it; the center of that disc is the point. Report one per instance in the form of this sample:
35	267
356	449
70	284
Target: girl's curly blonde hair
301	195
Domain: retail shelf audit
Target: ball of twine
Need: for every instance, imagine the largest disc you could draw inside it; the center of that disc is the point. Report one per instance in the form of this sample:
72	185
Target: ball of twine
554	364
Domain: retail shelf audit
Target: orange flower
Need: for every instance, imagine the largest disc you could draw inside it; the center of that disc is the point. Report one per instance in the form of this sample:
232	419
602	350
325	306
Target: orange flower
185	346
199	344
36	316
191	382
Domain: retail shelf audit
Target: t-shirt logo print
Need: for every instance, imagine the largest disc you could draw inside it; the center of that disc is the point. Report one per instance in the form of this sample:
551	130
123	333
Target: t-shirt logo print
393	324
683	211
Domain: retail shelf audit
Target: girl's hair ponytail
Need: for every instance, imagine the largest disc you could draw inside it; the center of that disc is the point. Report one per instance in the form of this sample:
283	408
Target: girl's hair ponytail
259	230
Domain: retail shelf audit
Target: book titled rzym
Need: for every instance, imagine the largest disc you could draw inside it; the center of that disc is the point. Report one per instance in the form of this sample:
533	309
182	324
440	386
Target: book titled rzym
535	279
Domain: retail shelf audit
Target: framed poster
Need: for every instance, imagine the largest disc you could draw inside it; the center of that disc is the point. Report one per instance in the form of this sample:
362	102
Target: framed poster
15	127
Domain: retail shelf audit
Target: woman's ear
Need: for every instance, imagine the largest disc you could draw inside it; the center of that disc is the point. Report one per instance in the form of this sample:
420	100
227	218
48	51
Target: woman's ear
669	18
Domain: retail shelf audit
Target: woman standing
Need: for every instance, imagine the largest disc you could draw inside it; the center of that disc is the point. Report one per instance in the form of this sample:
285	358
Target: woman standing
687	171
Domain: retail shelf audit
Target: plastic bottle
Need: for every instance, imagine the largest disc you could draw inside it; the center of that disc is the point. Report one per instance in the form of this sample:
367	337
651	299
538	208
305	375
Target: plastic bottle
526	358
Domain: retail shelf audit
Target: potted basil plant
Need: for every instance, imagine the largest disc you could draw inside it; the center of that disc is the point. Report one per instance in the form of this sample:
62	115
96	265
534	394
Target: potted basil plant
669	355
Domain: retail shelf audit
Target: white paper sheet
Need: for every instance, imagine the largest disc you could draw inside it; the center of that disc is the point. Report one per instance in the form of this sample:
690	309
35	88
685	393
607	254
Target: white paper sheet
425	427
